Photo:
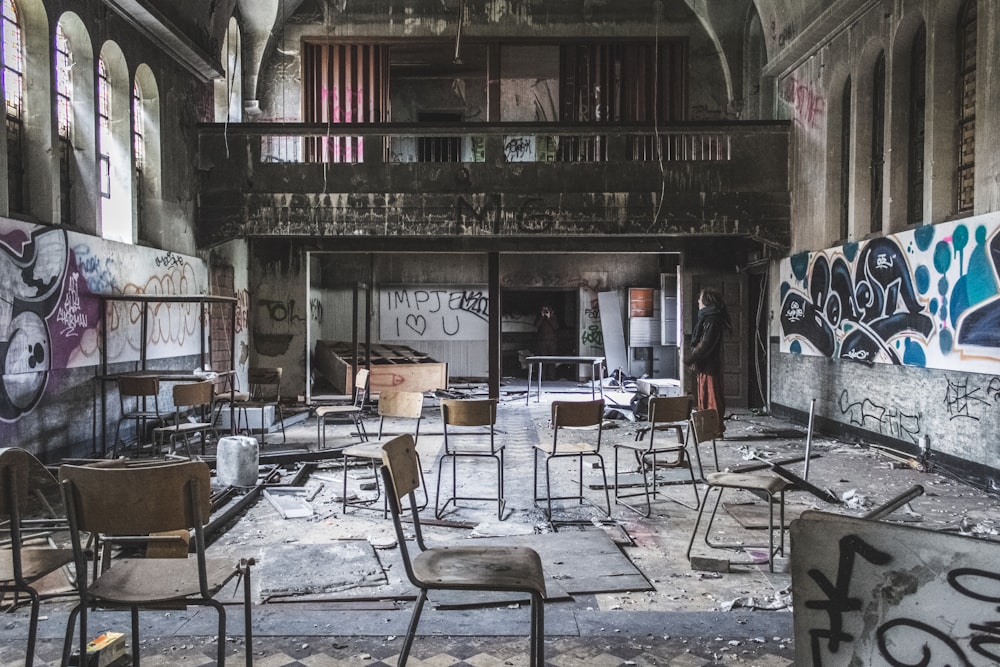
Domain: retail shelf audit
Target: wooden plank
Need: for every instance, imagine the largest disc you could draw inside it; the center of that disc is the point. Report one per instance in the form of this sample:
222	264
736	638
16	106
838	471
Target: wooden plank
409	377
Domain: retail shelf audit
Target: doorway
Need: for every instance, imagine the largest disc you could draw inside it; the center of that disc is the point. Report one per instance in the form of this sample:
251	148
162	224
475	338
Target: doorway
519	309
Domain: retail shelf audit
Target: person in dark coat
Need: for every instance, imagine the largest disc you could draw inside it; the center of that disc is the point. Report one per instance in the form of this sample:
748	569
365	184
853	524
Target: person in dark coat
705	357
547	325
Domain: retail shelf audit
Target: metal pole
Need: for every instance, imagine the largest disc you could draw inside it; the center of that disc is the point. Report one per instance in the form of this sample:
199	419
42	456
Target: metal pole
809	436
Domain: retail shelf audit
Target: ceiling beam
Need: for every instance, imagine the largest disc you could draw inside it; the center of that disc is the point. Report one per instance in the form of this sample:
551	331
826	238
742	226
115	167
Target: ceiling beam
162	32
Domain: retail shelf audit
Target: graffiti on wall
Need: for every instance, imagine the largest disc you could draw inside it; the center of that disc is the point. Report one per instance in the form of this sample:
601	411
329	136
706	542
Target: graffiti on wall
51	318
928	297
428	312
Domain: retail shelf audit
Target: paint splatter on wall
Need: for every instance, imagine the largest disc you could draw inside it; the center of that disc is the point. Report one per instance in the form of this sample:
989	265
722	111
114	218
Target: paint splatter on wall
926	297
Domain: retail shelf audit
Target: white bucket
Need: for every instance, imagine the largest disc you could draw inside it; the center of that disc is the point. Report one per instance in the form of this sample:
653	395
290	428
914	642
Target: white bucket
237	461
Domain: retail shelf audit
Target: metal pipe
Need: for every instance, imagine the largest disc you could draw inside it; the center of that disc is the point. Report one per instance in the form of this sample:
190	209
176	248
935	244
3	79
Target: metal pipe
893	504
809	436
458	33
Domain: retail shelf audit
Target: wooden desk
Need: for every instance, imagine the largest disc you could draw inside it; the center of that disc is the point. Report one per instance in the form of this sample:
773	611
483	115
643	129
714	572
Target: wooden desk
596	364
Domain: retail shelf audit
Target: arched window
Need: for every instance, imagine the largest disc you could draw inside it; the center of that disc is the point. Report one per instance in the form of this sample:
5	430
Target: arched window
64	123
915	164
114	112
967	107
146	182
13	80
138	148
878	142
104	127
845	161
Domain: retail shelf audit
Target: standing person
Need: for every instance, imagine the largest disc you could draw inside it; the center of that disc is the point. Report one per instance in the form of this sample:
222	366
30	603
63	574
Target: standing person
547	325
705	356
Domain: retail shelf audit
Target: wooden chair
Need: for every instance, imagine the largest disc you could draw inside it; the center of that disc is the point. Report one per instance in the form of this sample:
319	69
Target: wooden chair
576	416
139	400
225	391
264	388
25	562
666	413
456	567
770	487
188	397
142	501
391	405
353	411
470	419
706	432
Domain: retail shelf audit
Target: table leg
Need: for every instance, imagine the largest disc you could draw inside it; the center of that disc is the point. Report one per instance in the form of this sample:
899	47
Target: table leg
527	394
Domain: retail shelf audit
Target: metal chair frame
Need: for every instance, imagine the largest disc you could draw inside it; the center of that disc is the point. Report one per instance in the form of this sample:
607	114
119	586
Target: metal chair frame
143	502
189	396
469	414
353	411
770	487
666	413
264	389
587	415
391	405
21	477
456	567
145	391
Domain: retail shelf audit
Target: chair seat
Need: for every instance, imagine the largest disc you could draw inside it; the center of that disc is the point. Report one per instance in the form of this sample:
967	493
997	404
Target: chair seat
35	563
640	446
183	429
366	450
133	581
495	568
325	410
771	484
225	396
568	448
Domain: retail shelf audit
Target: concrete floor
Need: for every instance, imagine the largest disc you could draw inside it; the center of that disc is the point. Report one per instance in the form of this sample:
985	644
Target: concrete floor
739	615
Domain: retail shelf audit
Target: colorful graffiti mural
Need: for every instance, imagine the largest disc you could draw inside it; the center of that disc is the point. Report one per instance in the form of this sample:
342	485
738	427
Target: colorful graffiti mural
50	316
927	297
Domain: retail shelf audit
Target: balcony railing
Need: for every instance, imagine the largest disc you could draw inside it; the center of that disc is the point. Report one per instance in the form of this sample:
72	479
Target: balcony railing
503	178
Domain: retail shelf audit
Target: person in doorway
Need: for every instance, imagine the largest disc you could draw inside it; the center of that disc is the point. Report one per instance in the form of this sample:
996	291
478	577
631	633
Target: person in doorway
547	326
705	357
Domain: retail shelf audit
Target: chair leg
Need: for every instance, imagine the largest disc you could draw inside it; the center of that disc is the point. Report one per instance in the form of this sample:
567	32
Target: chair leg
604	474
537	658
501	501
36	603
68	639
247	618
697	521
411	631
135	636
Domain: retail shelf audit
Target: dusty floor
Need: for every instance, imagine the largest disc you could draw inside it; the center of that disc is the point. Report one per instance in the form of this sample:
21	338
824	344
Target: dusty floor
334	564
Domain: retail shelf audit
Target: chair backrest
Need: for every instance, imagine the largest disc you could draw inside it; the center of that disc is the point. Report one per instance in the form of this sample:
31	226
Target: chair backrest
401	476
144	388
468	413
361	387
401	404
193	394
577	414
666	413
704	425
137	500
264	384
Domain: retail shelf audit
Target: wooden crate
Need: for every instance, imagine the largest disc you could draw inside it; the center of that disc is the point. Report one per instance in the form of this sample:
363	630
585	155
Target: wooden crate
393	367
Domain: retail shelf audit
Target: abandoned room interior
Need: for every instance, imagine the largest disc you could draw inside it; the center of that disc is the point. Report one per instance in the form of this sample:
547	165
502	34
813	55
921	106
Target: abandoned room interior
367	332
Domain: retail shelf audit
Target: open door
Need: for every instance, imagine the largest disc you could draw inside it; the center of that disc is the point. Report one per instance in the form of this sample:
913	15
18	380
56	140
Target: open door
736	344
